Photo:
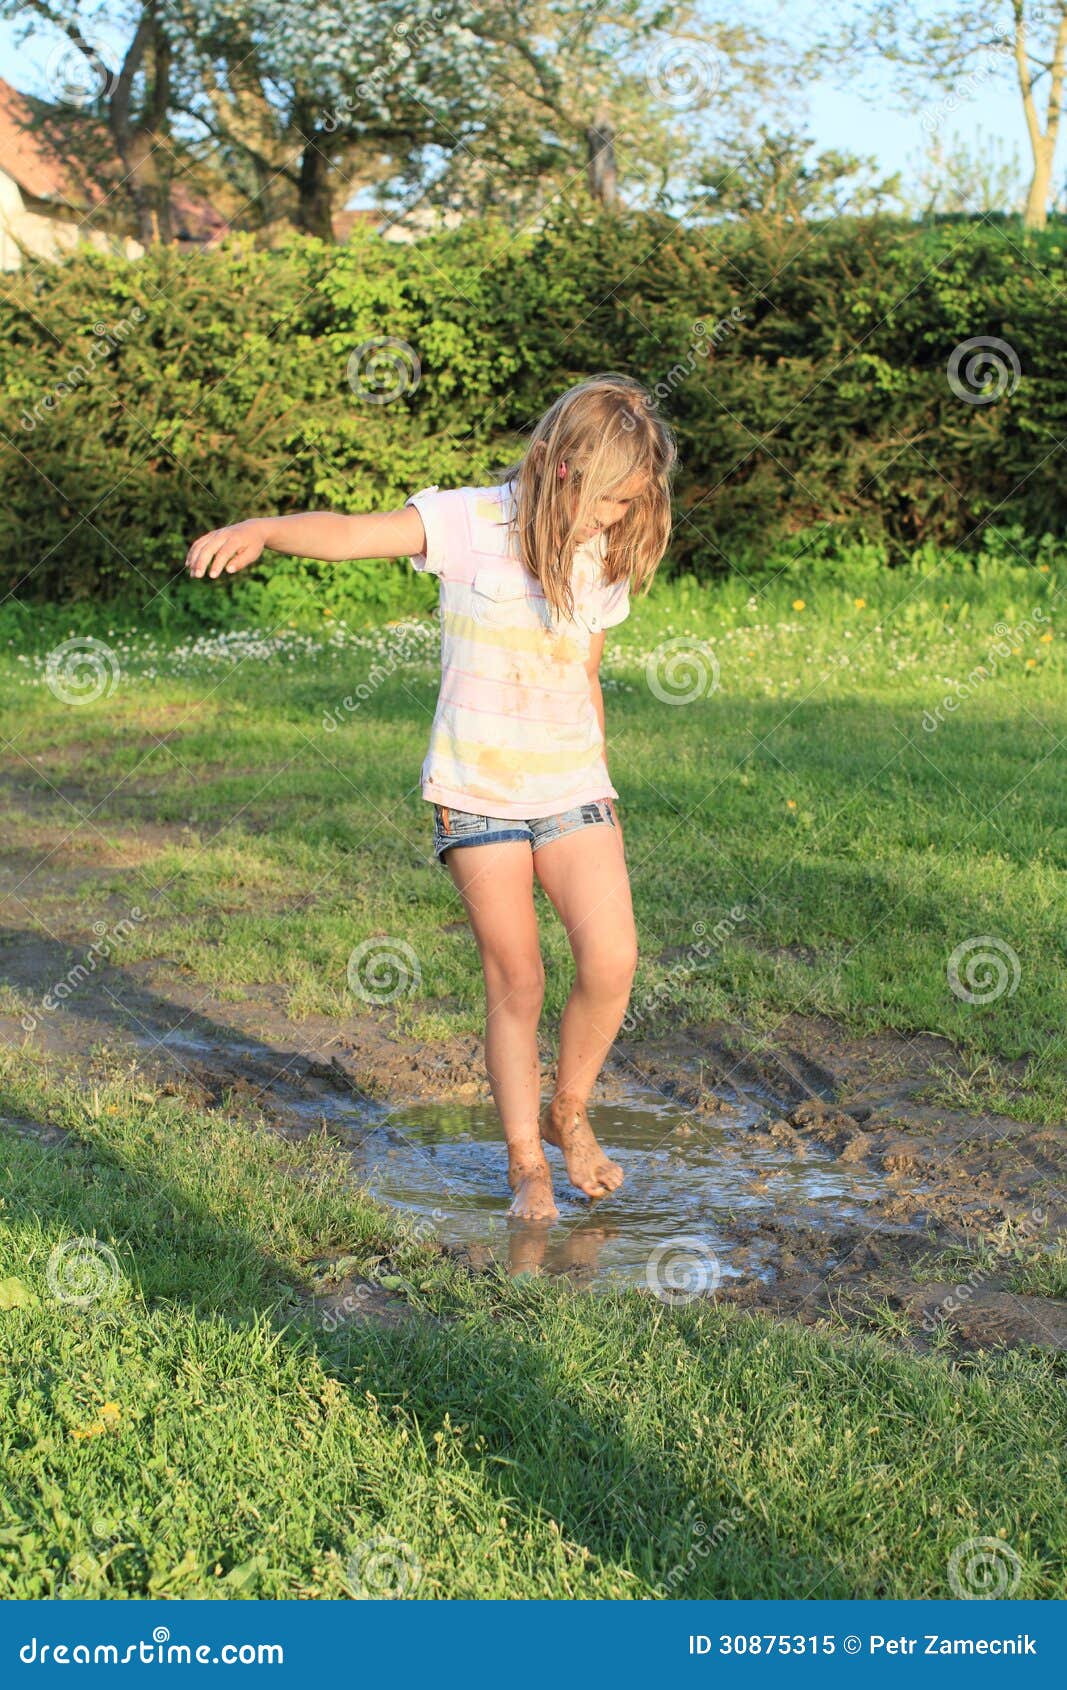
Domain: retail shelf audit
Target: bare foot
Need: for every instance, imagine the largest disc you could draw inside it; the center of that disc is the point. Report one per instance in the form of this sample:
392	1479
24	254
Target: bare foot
531	1180
566	1125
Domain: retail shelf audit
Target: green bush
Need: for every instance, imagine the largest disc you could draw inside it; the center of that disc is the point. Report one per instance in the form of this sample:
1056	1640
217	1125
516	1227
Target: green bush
804	369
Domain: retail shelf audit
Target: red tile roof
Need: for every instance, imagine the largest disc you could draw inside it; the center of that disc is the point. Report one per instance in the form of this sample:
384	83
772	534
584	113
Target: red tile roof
43	168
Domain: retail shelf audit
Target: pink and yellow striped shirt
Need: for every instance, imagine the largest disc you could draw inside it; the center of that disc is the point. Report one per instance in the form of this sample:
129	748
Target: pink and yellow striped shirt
515	732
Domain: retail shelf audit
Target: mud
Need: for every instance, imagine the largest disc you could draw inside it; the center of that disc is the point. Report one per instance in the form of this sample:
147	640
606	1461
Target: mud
846	1182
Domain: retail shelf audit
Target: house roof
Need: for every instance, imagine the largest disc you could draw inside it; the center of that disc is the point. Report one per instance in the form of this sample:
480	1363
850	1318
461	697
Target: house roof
31	160
42	167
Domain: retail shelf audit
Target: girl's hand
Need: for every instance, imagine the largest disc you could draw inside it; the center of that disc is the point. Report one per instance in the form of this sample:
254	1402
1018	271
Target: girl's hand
228	549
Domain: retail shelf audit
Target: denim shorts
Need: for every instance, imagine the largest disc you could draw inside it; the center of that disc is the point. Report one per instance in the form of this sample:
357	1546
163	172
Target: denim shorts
463	827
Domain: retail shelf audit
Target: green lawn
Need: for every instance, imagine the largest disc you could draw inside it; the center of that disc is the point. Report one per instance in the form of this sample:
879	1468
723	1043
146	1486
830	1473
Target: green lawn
514	1438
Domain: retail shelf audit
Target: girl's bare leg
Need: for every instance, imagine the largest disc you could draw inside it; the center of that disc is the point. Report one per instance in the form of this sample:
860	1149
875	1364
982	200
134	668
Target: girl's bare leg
496	885
584	874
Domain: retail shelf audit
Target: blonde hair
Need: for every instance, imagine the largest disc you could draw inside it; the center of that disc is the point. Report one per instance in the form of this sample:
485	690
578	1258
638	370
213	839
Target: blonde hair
604	429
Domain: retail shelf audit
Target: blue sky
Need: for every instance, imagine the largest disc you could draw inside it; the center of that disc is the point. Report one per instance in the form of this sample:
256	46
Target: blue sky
864	123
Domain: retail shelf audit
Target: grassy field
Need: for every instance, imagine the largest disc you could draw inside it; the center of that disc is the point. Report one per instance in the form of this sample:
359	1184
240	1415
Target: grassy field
187	1434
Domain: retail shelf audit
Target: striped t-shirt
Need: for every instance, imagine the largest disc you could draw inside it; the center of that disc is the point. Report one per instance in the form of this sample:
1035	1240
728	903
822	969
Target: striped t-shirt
515	733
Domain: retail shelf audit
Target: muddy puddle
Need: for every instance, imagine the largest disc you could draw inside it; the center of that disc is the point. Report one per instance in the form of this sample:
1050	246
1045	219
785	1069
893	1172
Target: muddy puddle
683	1214
812	1178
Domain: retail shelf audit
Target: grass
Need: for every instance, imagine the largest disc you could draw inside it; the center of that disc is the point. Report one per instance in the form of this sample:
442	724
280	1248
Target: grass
185	1435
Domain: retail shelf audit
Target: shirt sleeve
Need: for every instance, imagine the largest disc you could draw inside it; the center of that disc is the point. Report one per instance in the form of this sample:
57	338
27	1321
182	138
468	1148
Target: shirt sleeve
615	603
441	520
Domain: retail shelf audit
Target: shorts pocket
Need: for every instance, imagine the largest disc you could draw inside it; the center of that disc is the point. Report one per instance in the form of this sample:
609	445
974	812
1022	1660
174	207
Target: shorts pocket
459	824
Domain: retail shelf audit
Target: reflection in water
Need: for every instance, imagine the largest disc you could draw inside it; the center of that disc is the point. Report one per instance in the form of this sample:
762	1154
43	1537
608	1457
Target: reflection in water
686	1178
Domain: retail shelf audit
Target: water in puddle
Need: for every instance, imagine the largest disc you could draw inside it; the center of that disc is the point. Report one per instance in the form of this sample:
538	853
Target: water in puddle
672	1221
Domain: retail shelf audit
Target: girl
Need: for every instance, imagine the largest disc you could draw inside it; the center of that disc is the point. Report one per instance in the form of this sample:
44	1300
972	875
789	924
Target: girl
532	569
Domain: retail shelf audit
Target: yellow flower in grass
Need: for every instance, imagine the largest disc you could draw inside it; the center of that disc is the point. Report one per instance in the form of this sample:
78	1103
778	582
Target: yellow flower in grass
110	1415
798	604
1045	639
861	604
1031	662
790	803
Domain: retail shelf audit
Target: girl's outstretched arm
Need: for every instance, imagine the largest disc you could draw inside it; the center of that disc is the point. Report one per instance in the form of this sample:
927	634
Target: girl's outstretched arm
329	535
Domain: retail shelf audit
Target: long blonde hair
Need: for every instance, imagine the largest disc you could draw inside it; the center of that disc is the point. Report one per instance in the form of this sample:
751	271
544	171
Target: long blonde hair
604	429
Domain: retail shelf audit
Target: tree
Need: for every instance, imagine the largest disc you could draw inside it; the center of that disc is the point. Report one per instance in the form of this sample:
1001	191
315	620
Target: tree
965	46
778	179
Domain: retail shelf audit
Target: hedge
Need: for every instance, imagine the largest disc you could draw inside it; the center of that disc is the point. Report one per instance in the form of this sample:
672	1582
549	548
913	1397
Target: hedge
805	369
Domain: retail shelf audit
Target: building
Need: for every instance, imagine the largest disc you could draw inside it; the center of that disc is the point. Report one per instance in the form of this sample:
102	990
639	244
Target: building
48	206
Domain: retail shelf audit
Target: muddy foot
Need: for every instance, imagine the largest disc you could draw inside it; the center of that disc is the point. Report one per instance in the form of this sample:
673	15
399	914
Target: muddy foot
531	1181
566	1125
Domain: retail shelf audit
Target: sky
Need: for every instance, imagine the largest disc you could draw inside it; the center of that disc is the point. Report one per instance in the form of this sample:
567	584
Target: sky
866	120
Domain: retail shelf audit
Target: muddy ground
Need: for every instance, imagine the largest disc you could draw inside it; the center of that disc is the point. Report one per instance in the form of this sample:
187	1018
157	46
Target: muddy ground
949	1179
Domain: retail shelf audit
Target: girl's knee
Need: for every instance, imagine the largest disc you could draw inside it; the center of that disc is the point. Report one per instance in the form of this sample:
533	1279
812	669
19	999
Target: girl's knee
518	986
609	970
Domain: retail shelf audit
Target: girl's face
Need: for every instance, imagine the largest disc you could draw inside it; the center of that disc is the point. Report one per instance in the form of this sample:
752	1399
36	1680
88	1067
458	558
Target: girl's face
613	509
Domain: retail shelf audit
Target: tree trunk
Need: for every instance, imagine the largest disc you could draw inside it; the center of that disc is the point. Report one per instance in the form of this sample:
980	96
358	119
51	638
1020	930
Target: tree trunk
1035	216
602	175
314	212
